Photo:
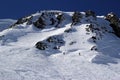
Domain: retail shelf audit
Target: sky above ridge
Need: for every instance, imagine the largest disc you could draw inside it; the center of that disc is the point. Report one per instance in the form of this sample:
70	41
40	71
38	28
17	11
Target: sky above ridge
18	8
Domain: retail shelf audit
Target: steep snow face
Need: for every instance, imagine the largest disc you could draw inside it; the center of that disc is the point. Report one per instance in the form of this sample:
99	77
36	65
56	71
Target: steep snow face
6	23
65	48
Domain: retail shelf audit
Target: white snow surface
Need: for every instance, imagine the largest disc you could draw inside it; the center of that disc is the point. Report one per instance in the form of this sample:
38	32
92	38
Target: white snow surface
6	23
20	60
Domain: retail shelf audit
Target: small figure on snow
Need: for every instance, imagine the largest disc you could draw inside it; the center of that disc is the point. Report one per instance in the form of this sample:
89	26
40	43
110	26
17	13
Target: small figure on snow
63	53
79	54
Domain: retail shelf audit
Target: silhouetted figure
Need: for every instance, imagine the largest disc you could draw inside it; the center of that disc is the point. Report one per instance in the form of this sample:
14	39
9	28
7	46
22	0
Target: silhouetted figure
63	53
79	54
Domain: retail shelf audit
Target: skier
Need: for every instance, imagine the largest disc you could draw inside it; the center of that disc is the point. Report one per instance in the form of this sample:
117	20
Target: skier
63	53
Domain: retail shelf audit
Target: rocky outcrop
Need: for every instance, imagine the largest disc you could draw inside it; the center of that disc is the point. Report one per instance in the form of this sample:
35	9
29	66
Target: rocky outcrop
48	18
114	22
51	43
60	18
76	17
40	23
27	19
113	18
53	21
90	13
41	45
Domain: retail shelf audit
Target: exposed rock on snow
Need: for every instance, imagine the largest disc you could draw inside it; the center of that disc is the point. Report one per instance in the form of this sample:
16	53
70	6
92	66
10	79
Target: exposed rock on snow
76	18
114	22
51	43
90	13
27	20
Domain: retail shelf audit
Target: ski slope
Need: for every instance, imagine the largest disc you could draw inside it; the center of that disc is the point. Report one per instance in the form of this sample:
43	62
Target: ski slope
20	60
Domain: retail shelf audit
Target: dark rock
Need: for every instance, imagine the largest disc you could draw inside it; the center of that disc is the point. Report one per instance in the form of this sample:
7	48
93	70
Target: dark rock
55	40
73	42
52	21
56	47
59	18
27	19
94	48
51	43
94	37
39	23
90	28
50	39
41	45
1	37
114	23
87	29
76	18
70	30
116	29
90	13
112	18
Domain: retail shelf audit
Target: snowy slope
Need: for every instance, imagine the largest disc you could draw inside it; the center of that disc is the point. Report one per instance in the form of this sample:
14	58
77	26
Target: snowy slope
5	23
73	60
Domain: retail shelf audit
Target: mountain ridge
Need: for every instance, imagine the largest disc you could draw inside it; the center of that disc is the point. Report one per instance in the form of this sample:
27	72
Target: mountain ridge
56	45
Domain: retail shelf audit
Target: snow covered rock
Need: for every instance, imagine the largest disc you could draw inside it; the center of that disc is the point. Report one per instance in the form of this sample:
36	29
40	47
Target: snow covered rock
90	13
49	19
76	18
40	23
114	22
51	43
112	17
27	20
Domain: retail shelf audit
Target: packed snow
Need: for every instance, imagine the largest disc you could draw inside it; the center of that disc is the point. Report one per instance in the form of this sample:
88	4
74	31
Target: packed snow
75	60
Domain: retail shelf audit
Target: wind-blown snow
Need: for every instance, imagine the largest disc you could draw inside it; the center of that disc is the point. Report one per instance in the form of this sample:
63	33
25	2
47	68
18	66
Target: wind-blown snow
20	60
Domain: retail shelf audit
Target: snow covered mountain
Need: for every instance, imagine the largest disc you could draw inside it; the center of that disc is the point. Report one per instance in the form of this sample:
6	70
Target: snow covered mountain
5	23
56	45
